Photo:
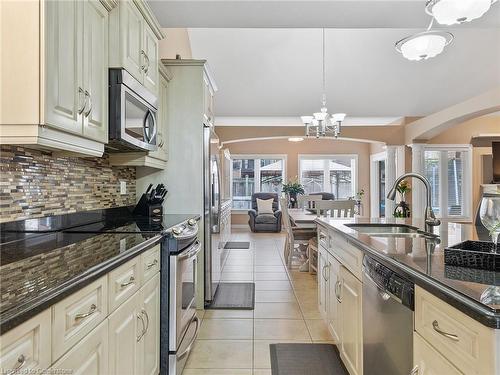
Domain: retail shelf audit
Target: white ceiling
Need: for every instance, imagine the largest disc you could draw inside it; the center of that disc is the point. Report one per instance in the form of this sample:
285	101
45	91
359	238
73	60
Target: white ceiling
275	71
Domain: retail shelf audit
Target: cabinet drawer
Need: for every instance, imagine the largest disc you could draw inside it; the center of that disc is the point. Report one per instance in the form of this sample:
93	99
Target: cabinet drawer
428	361
77	315
89	356
27	346
463	341
151	262
123	282
350	256
323	237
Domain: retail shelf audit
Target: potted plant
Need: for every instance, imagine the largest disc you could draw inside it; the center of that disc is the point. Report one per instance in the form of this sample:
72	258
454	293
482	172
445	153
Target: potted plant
402	210
292	189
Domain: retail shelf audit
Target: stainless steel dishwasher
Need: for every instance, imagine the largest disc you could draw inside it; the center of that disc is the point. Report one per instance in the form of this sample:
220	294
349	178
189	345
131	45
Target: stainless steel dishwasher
388	305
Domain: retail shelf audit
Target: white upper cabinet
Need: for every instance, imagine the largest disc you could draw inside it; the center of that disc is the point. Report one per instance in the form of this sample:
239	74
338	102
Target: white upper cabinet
64	104
150	48
95	70
135	32
64	92
131	35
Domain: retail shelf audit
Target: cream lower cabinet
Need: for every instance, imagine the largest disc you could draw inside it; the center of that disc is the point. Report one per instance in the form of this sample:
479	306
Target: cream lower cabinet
340	299
333	314
323	285
89	356
351	321
134	332
428	361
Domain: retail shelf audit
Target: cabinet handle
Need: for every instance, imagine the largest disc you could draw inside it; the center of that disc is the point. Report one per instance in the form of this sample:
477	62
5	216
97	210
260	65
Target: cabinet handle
152	264
145	313
326	270
414	370
82	107
139	316
451	336
21	361
339	298
147	61
86	114
143	67
79	317
126	283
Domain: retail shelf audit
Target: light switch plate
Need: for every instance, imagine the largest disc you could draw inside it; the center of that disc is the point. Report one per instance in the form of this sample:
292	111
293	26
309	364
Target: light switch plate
123	187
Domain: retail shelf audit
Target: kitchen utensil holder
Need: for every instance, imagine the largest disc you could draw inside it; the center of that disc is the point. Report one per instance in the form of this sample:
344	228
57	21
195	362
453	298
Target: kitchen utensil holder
145	208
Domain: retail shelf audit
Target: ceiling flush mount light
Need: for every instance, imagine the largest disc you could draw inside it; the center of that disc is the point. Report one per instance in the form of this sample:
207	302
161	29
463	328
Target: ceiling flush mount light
424	45
321	123
295	139
451	12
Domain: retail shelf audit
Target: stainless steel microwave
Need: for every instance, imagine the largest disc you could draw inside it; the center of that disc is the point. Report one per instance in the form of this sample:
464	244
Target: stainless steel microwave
132	114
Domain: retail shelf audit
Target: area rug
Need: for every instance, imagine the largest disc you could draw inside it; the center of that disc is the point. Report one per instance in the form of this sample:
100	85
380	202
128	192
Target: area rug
234	296
237	245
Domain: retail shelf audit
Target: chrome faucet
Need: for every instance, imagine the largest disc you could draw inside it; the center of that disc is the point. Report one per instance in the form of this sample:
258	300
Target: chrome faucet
430	219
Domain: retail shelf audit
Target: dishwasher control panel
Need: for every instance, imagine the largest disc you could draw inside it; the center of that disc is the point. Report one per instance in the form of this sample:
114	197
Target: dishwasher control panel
390	282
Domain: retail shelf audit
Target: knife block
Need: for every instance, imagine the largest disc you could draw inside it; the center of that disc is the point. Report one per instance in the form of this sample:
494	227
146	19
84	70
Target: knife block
144	208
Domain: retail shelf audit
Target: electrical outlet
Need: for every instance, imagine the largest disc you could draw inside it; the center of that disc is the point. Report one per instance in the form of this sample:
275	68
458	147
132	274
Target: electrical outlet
123	187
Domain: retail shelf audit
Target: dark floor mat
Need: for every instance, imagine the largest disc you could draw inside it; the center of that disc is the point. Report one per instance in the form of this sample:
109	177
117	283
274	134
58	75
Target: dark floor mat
237	245
306	359
234	296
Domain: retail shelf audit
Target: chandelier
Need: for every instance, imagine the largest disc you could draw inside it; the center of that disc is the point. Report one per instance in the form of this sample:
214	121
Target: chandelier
322	124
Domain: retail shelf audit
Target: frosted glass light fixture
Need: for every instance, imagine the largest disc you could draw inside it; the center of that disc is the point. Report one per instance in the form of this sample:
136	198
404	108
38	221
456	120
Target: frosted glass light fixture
423	46
321	124
451	12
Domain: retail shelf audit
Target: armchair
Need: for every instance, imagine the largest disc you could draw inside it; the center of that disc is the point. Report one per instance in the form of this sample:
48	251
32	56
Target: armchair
265	222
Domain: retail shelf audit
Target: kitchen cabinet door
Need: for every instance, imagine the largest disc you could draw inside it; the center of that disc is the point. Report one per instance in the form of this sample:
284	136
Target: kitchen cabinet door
150	47
333	315
151	312
89	356
351	318
428	361
132	27
323	289
126	343
162	122
64	93
95	70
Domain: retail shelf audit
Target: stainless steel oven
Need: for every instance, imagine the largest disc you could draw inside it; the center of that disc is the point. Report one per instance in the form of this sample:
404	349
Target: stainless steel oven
132	114
183	323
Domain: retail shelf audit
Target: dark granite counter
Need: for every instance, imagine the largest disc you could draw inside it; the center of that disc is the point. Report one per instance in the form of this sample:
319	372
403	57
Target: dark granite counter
42	261
422	260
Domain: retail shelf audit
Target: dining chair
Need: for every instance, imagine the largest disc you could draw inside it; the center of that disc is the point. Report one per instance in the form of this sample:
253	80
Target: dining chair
338	208
308	201
297	239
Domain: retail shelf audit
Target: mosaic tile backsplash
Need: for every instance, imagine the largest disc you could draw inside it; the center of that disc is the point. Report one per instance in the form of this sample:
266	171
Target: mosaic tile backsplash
36	183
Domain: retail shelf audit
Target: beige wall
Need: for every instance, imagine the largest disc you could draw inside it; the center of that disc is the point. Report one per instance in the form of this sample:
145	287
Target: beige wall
176	42
308	146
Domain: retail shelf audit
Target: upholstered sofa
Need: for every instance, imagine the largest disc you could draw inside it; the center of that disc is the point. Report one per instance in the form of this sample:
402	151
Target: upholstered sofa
265	222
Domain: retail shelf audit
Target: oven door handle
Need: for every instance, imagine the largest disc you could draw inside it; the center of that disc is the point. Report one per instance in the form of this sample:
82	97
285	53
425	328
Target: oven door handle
195	249
190	346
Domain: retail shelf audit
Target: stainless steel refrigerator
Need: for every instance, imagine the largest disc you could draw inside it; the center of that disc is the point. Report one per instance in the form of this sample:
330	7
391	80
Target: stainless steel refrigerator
214	251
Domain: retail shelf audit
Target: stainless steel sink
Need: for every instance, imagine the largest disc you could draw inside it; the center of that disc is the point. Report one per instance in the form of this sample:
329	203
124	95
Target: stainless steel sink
390	230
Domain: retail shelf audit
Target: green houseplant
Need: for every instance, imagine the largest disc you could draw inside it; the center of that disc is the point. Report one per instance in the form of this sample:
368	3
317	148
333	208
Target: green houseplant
293	188
402	209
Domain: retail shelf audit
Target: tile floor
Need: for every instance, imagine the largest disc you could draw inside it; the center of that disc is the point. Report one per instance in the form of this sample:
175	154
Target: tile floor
236	342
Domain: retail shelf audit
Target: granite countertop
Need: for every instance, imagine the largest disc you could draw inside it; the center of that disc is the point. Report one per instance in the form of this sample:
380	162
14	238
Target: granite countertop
422	260
38	269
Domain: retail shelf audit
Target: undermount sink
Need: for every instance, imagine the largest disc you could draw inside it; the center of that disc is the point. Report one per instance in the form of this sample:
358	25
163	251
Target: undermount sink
390	230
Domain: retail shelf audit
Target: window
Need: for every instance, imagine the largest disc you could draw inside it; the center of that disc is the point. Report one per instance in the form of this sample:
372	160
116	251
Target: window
381	187
332	174
256	174
448	170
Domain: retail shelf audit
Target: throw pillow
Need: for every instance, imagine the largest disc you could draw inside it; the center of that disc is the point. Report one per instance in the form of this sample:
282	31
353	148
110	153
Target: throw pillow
264	206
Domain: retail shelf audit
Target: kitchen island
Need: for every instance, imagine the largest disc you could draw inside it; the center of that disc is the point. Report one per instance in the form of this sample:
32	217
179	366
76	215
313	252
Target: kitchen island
456	329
